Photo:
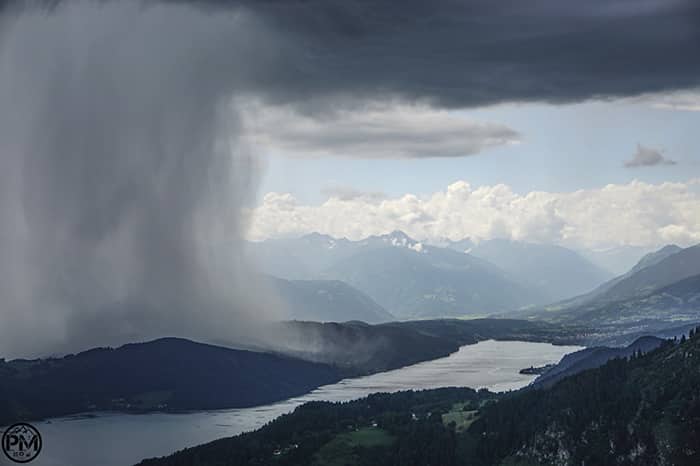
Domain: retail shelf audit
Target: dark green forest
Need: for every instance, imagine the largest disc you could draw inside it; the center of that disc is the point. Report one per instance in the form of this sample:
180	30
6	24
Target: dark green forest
169	374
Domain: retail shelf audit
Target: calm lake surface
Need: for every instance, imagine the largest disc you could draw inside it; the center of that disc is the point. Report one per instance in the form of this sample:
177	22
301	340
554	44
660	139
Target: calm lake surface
116	439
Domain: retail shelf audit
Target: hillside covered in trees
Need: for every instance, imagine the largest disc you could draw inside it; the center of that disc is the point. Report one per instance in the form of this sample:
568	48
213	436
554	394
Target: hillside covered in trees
641	410
167	374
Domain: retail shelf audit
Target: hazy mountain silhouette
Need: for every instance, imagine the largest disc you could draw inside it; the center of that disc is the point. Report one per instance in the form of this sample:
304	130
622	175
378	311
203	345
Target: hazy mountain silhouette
327	301
661	291
556	272
407	277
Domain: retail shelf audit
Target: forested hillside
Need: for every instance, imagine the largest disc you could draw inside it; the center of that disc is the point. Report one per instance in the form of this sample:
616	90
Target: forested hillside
165	374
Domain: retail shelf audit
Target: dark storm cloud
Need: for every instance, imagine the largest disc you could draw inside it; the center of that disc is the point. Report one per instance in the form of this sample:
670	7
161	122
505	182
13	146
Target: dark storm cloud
466	53
460	53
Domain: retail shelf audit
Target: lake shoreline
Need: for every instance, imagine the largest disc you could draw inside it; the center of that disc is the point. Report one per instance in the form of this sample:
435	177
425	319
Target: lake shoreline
340	379
488	364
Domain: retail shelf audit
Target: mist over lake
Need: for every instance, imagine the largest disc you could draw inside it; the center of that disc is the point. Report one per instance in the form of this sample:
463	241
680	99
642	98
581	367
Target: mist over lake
115	439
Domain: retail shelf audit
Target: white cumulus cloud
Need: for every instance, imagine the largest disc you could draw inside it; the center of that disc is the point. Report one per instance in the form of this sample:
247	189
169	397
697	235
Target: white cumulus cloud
637	213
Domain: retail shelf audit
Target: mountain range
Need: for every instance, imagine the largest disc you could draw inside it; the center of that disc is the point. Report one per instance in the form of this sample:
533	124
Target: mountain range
395	277
616	260
556	272
326	301
413	279
654	271
661	291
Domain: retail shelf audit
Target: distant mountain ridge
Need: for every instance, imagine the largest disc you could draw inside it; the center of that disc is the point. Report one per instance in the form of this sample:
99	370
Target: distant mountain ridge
414	279
654	258
617	260
298	258
675	303
661	291
656	272
653	271
327	301
464	245
556	272
647	260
